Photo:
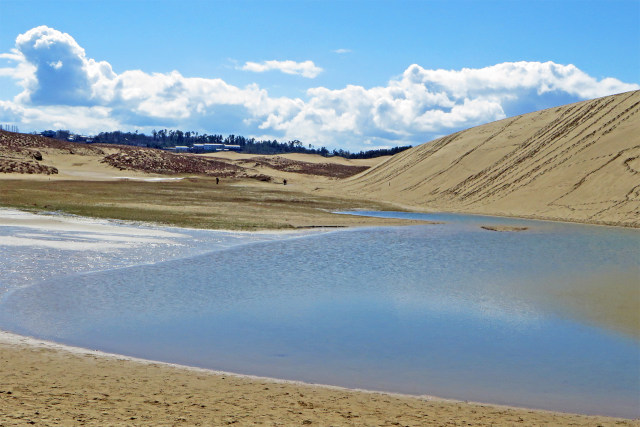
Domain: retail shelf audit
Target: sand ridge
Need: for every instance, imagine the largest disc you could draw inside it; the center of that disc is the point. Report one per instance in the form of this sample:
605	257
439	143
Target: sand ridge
579	162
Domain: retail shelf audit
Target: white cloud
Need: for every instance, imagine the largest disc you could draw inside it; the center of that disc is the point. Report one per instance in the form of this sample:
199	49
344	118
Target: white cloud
63	88
507	79
421	103
342	51
63	75
10	112
305	69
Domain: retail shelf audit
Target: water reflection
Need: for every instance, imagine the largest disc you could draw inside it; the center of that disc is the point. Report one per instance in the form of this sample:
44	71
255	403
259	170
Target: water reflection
450	310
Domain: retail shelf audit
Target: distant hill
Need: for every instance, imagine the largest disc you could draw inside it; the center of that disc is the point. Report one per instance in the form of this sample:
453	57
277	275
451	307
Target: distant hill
26	156
579	162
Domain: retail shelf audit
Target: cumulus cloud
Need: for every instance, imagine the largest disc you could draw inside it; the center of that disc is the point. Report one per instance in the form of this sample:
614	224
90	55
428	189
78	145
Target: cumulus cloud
511	78
62	74
63	88
10	112
422	103
305	69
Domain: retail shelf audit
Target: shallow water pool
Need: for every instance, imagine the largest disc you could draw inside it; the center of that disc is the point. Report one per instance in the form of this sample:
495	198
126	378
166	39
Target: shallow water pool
450	310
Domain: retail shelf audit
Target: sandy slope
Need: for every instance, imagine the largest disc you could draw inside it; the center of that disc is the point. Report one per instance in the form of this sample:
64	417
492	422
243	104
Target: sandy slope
64	160
579	162
301	157
261	164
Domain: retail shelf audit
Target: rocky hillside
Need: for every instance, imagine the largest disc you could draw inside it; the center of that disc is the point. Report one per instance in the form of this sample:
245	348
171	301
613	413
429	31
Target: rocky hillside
579	162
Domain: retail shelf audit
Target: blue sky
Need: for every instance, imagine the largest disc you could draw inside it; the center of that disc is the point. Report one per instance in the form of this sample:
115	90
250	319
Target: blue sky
342	74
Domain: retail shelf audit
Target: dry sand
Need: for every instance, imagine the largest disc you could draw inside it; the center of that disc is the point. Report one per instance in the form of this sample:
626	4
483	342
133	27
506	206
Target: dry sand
300	157
264	165
75	161
80	165
579	162
49	384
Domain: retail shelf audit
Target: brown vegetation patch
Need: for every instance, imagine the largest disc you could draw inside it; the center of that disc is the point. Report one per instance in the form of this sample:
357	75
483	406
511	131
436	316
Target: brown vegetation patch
17	142
18	154
18	151
161	162
21	153
8	165
331	170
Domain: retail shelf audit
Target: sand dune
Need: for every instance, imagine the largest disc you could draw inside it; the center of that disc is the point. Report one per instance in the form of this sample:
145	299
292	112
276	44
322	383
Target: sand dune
579	162
25	156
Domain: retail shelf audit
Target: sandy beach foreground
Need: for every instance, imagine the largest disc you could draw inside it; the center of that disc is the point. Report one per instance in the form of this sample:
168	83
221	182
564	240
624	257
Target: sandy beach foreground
50	384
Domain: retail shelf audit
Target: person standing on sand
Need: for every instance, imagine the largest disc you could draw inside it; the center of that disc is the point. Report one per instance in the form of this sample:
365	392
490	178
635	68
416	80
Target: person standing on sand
217	180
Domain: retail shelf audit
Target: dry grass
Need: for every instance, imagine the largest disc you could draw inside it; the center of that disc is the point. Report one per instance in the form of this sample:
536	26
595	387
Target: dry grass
327	169
198	203
150	160
86	183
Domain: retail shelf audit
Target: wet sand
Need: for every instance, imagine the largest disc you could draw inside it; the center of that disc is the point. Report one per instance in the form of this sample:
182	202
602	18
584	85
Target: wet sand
503	228
49	384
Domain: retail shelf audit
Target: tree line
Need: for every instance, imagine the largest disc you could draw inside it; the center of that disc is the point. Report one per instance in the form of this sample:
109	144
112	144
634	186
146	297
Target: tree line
9	128
164	138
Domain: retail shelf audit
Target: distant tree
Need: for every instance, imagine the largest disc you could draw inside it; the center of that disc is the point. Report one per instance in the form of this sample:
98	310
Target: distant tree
63	134
168	138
